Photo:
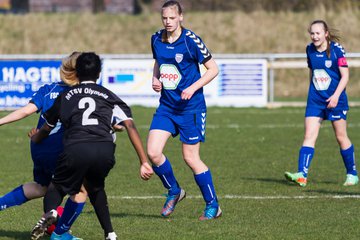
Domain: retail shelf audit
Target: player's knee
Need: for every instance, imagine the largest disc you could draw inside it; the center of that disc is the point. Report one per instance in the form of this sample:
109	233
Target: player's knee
154	154
342	139
310	137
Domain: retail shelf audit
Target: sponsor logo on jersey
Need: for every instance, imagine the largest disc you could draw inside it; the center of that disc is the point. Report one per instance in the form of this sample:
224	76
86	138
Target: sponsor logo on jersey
321	79
319	55
169	76
328	63
54	95
179	57
169	47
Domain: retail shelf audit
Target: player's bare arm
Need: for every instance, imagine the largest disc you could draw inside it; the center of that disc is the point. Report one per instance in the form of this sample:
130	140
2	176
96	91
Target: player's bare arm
18	114
333	100
145	169
156	83
212	71
37	135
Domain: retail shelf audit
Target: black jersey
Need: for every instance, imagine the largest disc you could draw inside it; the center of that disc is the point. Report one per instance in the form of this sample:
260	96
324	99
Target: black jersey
87	112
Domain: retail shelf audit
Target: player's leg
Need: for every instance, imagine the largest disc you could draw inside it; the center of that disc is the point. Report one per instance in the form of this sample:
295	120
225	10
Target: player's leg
161	165
192	132
95	185
32	190
52	199
346	151
160	130
306	152
73	208
22	194
203	178
69	176
68	179
99	201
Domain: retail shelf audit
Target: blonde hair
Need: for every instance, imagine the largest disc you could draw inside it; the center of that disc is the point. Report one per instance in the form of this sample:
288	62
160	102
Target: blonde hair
68	71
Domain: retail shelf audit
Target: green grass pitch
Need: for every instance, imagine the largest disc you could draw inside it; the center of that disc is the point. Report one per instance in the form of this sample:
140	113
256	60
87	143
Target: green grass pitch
247	149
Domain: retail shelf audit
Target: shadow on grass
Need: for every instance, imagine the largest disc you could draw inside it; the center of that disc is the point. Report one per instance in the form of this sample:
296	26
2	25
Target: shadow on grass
15	234
137	215
288	183
269	180
327	192
127	215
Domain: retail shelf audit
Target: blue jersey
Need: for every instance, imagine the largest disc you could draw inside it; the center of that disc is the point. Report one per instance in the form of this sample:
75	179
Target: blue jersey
52	145
179	68
325	75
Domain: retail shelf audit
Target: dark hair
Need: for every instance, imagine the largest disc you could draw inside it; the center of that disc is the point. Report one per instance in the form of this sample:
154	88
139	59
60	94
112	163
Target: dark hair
172	3
88	66
332	36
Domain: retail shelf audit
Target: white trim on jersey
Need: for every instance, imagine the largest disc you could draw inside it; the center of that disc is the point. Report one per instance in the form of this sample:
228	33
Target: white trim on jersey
119	115
204	51
50	125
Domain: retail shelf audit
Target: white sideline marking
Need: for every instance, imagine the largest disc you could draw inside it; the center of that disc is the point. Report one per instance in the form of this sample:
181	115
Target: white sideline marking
235	126
244	197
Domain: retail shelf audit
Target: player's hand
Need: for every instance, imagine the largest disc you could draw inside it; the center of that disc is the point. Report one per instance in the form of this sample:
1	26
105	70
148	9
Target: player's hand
187	93
156	85
332	101
146	171
118	128
32	132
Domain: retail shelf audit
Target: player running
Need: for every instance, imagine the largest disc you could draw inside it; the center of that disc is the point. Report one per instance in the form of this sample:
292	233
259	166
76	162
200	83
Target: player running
327	100
44	155
177	52
88	112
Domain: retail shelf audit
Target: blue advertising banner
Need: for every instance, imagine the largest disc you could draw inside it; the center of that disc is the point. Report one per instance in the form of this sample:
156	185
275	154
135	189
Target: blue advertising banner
19	79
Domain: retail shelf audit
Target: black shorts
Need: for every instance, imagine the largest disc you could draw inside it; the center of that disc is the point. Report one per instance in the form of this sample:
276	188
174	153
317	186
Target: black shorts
88	162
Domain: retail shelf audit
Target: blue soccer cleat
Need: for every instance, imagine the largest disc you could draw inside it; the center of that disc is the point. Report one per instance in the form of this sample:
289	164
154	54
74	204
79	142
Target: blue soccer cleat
210	212
64	236
171	202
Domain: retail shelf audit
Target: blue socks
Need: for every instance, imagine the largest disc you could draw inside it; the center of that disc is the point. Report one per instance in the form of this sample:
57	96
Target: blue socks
203	180
348	157
166	174
305	156
71	211
205	183
13	198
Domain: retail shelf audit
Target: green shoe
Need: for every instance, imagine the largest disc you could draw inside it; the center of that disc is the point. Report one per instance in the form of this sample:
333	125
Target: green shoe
296	178
351	180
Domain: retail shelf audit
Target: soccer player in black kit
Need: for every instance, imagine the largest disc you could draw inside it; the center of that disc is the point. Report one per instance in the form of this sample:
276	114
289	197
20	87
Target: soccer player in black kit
89	113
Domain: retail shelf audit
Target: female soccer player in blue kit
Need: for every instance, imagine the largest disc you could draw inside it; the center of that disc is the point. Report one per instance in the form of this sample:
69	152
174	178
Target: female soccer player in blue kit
44	155
177	52
327	100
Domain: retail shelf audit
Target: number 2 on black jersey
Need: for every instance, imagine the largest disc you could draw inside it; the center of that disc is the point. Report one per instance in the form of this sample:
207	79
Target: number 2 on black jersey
86	120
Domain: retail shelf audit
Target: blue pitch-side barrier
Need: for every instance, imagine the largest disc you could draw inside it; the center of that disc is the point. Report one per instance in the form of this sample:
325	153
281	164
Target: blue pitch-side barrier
243	79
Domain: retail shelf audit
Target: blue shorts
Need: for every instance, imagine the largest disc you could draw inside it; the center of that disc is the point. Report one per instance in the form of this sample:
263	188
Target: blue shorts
44	167
190	126
327	113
